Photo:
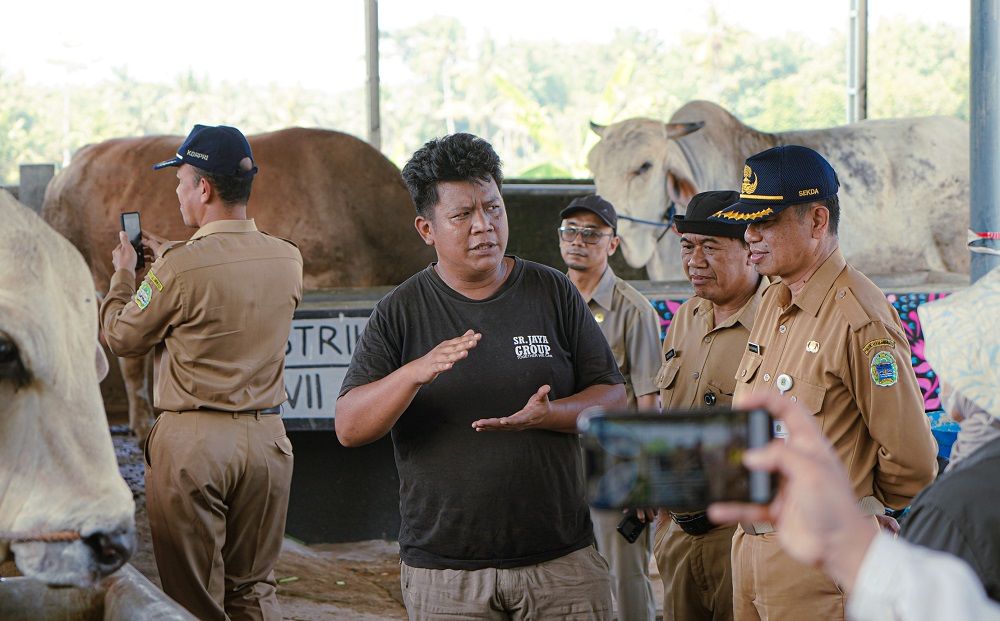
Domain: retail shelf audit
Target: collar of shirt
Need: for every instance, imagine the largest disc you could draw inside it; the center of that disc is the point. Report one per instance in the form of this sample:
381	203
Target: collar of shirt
745	316
226	226
812	295
604	293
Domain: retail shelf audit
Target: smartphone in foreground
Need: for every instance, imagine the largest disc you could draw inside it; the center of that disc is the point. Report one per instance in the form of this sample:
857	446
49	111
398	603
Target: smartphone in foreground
682	460
130	224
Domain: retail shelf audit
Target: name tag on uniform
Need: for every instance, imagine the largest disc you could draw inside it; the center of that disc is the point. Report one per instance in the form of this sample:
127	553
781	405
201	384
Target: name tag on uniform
753	348
669	355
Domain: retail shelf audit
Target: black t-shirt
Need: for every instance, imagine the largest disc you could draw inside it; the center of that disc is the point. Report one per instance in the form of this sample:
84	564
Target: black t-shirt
468	499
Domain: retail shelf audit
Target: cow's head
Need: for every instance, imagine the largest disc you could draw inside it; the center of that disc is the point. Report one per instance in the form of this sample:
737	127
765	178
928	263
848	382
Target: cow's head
58	471
643	171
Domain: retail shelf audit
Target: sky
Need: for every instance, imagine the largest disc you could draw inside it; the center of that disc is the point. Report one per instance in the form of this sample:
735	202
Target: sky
320	44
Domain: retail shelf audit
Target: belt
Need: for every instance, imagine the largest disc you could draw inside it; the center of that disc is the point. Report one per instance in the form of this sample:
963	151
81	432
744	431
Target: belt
695	524
869	505
258	413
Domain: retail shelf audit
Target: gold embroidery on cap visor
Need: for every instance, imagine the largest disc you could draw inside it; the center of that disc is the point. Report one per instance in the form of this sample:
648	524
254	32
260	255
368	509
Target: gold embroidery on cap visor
737	216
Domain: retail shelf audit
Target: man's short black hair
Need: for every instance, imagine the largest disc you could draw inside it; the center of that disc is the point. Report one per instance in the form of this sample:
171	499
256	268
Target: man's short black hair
456	157
231	190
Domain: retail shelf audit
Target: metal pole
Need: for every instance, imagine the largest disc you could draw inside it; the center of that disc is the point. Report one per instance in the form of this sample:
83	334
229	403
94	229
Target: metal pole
984	143
371	56
857	61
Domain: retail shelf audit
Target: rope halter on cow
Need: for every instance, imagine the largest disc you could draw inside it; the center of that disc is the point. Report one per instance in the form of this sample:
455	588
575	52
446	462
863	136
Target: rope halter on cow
51	536
666	220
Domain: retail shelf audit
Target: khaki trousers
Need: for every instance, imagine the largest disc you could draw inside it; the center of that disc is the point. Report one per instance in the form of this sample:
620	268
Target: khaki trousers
217	496
696	571
769	585
629	564
575	587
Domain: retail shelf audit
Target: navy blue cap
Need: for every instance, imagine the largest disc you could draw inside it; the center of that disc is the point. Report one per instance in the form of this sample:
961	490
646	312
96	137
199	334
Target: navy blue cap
701	207
596	205
778	178
218	150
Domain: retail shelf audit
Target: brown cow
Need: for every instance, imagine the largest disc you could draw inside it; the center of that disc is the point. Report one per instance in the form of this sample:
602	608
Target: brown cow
340	200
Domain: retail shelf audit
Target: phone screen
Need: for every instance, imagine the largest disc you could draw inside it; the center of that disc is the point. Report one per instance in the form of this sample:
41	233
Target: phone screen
130	224
679	460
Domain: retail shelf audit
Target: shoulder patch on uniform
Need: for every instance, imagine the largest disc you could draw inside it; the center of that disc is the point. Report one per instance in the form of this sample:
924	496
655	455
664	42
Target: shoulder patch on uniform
853	312
143	295
885	371
156	281
870	345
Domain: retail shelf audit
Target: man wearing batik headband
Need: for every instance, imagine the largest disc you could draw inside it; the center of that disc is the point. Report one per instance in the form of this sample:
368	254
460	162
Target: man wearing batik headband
825	337
958	513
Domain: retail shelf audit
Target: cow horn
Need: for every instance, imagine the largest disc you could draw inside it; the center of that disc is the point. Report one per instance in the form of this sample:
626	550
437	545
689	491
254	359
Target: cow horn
598	129
676	130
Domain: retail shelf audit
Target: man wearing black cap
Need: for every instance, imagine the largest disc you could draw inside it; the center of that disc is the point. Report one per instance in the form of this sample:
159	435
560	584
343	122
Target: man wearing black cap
217	309
700	353
826	337
587	239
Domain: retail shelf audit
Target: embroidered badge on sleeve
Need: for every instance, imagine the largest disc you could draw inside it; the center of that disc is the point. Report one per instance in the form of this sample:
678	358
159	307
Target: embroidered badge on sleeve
885	371
143	295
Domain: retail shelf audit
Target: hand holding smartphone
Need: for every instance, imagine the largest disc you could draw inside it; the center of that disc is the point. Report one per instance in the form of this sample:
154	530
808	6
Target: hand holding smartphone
130	224
683	460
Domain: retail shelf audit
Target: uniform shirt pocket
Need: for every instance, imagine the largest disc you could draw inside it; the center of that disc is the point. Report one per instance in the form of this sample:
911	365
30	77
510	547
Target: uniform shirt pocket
667	374
809	395
748	367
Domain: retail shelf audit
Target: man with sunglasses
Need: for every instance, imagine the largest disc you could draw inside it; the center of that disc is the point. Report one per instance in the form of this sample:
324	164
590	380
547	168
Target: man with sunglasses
587	239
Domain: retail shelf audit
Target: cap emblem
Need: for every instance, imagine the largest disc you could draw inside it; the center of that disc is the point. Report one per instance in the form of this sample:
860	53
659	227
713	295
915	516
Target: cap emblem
748	188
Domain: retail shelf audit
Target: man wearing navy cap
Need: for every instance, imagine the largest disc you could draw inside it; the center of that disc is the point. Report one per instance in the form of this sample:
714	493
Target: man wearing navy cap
700	352
217	310
587	239
825	337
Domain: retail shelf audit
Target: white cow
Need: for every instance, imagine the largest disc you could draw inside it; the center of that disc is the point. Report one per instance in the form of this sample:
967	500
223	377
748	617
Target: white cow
57	465
904	183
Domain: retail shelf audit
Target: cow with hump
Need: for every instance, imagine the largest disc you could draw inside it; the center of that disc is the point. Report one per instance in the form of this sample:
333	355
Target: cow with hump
66	514
336	197
904	183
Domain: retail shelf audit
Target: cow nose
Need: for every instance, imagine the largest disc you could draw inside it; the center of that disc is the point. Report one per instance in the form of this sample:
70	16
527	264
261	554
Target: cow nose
111	550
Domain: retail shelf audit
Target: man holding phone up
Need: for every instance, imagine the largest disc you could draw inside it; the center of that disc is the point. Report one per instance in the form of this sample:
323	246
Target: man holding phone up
587	239
700	354
827	339
217	309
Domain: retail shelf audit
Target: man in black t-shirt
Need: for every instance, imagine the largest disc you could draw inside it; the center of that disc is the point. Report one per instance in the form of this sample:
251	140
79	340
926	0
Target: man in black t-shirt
494	525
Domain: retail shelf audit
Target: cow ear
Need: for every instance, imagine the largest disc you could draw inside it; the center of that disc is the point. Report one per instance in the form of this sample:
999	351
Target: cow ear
676	130
598	129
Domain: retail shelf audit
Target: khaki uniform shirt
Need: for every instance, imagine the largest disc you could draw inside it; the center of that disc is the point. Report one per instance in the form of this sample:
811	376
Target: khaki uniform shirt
217	310
700	358
632	327
840	351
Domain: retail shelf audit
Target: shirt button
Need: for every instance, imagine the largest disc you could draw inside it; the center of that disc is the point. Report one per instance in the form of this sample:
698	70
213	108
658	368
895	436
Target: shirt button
841	294
743	373
696	375
782	329
708	339
767	377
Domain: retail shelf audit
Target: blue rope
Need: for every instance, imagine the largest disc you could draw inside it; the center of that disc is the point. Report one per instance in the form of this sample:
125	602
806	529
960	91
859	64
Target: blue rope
650	222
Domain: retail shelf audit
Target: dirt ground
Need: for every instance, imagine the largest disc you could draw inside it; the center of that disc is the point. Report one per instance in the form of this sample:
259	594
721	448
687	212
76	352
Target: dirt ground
347	582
